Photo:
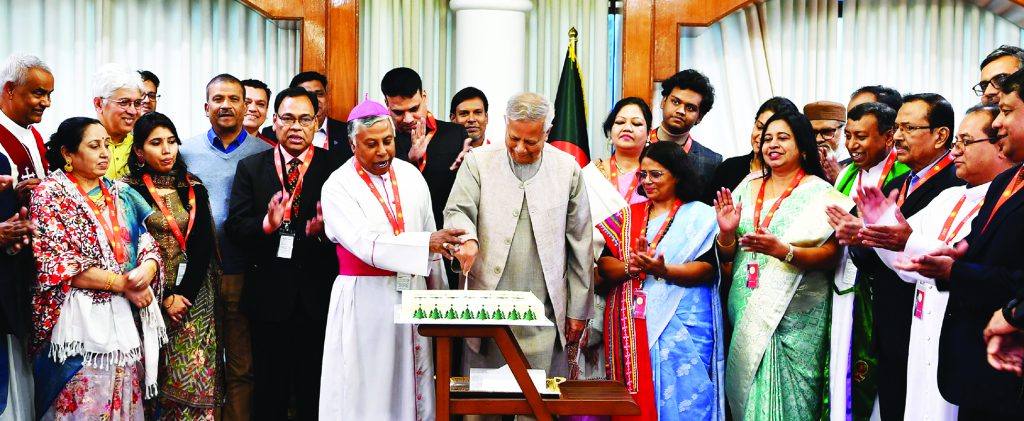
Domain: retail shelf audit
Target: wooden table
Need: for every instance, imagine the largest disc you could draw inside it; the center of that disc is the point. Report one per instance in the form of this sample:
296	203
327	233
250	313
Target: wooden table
590	397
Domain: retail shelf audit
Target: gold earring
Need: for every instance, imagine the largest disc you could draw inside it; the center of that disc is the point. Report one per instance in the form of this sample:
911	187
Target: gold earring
68	167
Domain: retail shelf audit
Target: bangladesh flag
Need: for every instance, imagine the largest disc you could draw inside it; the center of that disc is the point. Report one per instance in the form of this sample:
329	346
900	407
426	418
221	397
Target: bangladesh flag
569	130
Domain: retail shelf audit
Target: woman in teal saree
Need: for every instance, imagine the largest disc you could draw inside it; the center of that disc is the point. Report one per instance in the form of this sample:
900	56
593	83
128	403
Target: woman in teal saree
775	230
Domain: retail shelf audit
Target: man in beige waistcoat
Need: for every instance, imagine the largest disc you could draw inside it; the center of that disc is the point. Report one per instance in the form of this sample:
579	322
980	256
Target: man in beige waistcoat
528	229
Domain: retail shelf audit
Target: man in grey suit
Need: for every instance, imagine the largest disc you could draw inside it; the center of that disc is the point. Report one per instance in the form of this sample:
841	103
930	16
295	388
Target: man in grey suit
687	97
528	229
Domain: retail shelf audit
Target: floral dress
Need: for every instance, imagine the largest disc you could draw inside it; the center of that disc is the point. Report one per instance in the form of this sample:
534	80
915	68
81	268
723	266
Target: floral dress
75	379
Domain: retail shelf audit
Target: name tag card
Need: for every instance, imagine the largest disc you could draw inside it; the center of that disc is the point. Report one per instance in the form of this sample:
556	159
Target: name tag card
285	246
919	296
404	282
639	304
752	275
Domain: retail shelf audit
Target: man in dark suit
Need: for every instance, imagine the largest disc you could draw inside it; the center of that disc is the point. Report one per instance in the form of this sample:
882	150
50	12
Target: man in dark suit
275	212
16	270
982	273
924	127
430	144
330	134
687	97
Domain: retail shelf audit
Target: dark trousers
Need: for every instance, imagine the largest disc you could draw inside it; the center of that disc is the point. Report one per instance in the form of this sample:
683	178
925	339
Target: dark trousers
287	357
893	301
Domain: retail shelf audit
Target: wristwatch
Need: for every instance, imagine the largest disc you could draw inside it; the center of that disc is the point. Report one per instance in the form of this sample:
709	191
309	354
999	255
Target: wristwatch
789	254
1015	320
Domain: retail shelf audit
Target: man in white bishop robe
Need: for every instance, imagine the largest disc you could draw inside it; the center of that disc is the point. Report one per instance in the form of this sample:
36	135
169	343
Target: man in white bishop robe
377	210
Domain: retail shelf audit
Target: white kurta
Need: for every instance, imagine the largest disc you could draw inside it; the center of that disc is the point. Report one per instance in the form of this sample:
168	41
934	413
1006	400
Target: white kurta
841	338
374	368
924	402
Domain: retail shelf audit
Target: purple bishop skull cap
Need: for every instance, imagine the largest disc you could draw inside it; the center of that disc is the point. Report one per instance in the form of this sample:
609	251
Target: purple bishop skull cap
368	108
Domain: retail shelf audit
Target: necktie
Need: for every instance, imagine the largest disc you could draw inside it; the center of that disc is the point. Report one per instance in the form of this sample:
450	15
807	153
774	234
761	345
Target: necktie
913	180
293	179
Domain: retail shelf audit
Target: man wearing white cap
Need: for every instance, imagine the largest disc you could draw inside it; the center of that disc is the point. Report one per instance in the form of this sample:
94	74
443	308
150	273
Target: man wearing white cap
378	212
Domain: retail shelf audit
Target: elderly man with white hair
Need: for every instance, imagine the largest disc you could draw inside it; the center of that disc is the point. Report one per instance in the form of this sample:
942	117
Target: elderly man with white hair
117	97
528	228
377	210
25	87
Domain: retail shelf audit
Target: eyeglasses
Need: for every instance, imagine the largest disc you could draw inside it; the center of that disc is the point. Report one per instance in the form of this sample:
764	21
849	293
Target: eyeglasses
654	174
304	121
960	143
152	96
827	134
996	82
907	128
124	103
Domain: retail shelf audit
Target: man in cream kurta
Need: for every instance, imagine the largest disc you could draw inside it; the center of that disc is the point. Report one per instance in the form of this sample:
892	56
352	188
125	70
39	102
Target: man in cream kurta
528	229
374	368
944	222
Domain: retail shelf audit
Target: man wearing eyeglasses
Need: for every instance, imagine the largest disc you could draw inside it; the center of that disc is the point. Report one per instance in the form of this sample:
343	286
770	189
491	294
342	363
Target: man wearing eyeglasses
276	213
117	97
827	120
999	64
946	220
924	125
982	273
150	84
211	156
330	133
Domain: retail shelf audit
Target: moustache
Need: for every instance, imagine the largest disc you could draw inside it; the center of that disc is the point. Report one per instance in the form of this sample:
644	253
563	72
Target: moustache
225	113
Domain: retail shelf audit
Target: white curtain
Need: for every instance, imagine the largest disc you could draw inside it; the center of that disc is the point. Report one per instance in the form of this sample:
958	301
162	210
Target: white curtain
184	42
934	46
547	32
407	33
800	49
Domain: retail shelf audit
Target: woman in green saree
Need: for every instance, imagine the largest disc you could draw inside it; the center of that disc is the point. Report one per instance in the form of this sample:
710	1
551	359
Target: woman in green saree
775	230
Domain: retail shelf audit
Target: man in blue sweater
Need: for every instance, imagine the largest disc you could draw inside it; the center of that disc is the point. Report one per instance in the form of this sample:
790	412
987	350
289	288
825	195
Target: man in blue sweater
213	156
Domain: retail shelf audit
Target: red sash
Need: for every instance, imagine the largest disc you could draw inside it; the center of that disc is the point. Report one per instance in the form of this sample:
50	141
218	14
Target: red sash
350	265
19	154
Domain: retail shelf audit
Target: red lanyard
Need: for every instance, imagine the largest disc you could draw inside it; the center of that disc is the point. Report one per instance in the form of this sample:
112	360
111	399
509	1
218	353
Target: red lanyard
279	165
935	169
686	146
431	128
614	170
111	228
1011	189
949	220
175	229
775	207
664	225
397	223
889	162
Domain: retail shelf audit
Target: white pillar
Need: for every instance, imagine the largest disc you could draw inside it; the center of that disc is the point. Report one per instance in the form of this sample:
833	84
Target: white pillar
490	53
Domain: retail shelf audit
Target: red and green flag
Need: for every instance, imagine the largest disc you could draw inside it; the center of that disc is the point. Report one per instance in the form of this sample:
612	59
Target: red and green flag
569	130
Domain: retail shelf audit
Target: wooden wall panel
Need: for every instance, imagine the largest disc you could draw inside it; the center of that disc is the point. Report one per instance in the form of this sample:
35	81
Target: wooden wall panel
650	37
343	56
637	48
330	43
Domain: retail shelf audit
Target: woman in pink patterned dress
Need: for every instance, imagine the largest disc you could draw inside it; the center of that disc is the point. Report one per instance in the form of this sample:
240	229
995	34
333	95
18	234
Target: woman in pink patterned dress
97	270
